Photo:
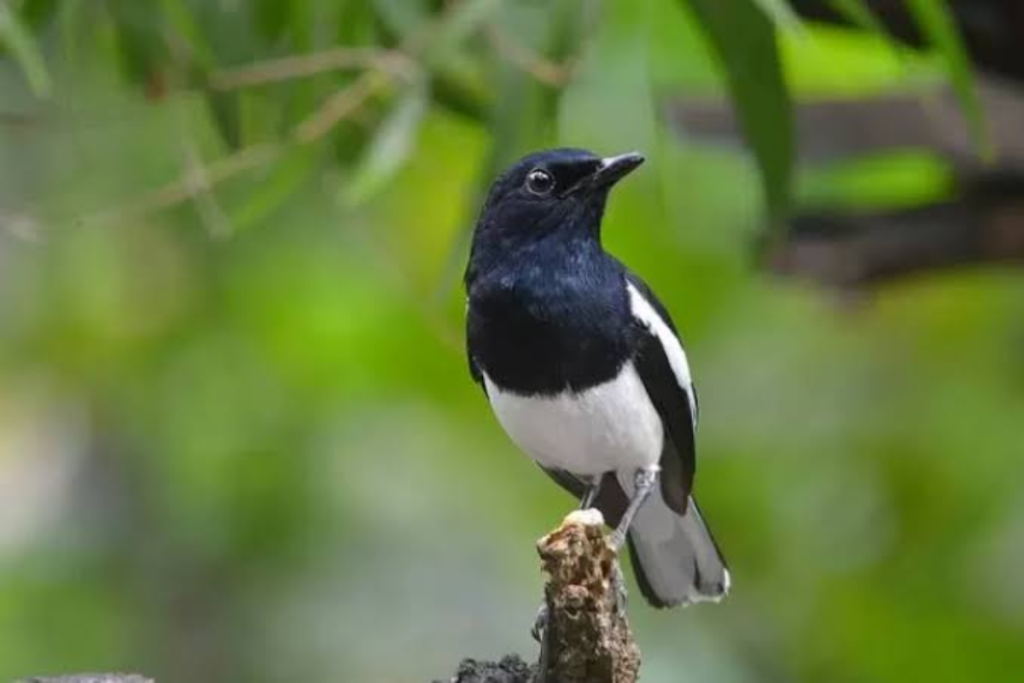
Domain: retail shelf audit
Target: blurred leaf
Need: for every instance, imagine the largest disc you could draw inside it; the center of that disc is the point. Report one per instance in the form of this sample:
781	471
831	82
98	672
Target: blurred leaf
143	52
743	37
458	24
401	16
860	15
286	177
259	117
780	12
357	24
37	13
461	97
392	144
181	21
938	26
271	17
226	109
16	39
895	179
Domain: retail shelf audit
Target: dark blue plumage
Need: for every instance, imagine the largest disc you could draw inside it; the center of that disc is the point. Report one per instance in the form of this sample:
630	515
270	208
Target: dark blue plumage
583	366
547	305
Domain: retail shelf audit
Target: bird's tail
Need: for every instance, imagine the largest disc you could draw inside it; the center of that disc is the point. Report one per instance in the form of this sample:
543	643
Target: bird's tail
675	559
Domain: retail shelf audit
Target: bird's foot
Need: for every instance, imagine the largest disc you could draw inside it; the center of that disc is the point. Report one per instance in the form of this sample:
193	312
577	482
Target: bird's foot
619	586
644	480
540	624
617	539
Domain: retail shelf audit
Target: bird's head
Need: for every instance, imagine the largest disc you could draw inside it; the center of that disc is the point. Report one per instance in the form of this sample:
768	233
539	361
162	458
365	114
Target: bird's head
558	192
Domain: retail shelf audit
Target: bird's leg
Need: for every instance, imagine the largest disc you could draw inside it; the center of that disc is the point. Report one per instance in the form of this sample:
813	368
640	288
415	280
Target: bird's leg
644	481
543	637
619	586
592	492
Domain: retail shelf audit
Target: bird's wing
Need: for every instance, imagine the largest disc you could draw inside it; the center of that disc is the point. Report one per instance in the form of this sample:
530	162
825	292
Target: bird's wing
663	368
474	369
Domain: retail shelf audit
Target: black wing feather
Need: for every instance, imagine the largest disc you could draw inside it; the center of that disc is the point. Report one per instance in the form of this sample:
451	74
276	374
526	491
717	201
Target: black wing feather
672	401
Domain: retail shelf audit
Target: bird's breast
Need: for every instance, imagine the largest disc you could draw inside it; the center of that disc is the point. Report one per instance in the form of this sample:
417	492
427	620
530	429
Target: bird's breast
608	427
542	339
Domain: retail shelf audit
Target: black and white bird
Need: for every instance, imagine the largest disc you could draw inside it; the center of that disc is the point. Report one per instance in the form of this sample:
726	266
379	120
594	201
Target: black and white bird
584	369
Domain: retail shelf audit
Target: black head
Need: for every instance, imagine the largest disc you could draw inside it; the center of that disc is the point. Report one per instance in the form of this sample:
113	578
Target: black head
558	192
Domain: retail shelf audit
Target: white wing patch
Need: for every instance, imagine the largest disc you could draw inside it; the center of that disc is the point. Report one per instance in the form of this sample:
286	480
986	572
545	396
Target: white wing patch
645	313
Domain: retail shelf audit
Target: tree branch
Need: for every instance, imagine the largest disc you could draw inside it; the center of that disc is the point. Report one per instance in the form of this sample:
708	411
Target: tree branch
587	639
983	225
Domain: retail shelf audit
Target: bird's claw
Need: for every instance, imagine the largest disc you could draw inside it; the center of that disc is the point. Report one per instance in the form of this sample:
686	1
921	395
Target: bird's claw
540	624
619	586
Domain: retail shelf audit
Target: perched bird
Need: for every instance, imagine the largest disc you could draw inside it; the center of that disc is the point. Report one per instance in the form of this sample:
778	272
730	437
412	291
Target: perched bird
584	369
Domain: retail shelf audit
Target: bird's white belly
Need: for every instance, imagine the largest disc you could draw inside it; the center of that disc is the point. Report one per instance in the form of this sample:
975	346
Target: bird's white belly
613	426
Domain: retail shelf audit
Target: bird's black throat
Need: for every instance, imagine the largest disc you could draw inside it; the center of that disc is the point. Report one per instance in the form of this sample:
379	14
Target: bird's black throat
550	316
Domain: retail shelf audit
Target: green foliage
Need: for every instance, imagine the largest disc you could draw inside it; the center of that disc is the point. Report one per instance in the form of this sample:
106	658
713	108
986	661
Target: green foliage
237	436
16	40
744	38
937	25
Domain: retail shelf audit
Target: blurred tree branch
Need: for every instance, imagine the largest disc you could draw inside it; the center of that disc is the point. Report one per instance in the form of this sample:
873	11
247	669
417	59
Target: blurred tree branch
184	188
980	222
381	69
983	225
312	64
544	70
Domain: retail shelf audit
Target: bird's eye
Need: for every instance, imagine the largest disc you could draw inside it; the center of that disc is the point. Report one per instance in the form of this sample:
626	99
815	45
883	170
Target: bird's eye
539	182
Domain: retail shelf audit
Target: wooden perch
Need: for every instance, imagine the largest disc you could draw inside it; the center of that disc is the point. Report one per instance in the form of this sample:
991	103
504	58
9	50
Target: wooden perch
587	639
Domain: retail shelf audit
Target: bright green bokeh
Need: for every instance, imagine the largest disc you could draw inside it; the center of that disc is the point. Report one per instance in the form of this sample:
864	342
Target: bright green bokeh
239	441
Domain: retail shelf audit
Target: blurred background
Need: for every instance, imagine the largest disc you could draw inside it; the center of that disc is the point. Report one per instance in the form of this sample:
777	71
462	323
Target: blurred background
238	439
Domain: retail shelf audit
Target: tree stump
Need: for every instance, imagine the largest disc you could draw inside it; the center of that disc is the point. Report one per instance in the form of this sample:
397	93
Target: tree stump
587	639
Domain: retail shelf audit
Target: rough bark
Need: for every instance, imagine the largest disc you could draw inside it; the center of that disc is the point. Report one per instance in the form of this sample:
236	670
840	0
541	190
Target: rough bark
588	639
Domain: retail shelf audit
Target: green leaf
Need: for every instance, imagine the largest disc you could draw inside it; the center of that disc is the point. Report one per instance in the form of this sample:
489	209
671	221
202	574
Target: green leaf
401	16
459	23
226	111
16	39
743	37
937	25
781	13
392	144
180	20
36	14
270	18
884	181
142	49
860	15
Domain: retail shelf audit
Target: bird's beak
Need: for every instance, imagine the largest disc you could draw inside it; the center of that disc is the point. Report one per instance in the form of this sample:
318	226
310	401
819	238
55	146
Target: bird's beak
613	169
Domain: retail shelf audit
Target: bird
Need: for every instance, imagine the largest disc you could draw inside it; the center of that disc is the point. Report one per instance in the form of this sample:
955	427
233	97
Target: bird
584	369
